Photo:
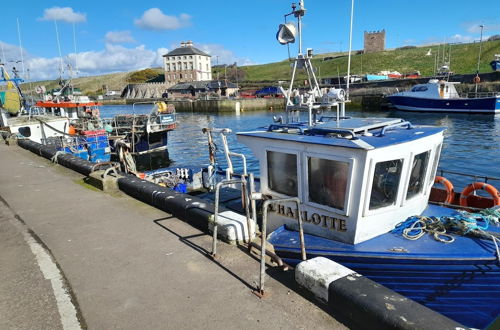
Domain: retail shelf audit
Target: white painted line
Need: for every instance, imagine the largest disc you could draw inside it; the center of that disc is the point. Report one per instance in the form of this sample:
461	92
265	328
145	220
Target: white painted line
67	310
50	271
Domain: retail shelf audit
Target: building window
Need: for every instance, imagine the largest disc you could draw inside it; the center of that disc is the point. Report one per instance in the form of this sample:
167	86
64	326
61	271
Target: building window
173	67
180	76
327	181
385	183
184	57
190	57
282	172
207	66
175	76
168	77
191	65
168	67
185	66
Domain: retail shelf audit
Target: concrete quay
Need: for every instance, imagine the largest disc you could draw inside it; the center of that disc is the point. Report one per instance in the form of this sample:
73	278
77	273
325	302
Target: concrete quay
123	264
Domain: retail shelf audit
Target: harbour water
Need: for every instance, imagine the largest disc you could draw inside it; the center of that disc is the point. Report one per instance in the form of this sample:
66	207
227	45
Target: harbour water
471	143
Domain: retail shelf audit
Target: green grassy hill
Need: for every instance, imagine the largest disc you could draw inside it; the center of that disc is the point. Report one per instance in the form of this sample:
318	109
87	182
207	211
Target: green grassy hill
404	60
463	60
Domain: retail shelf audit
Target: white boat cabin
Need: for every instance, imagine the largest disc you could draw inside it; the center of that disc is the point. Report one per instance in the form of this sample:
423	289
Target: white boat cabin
434	89
356	178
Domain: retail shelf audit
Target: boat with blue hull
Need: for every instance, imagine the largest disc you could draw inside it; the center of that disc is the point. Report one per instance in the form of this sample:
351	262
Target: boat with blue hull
442	96
357	190
459	280
140	140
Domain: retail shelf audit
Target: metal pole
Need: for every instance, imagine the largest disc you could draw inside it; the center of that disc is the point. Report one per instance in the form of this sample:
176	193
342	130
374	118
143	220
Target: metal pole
350	49
59	48
20	45
479	55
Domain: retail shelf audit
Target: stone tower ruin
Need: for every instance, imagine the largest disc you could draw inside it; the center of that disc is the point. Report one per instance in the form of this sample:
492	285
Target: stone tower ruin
374	41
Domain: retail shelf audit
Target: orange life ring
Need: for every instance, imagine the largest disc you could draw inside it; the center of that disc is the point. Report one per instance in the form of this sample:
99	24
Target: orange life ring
476	186
476	80
450	191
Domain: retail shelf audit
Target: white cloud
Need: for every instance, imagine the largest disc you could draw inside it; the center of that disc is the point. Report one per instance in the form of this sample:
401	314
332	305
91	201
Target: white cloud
65	14
113	58
119	37
458	38
475	27
221	55
155	19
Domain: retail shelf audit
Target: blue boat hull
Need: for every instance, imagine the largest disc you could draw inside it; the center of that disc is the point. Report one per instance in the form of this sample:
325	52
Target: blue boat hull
465	105
460	280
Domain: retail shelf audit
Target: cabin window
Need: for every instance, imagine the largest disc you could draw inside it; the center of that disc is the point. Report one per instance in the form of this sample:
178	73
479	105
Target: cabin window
327	181
435	163
385	183
417	175
282	172
24	131
419	89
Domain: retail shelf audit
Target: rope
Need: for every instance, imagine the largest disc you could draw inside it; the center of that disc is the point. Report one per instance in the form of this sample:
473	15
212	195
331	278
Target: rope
461	223
54	158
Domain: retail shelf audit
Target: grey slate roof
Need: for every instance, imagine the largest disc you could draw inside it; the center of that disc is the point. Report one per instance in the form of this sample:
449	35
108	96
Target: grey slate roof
202	85
187	50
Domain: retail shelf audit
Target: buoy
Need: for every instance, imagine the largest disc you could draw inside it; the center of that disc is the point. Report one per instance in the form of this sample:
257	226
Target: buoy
476	186
476	80
71	130
450	192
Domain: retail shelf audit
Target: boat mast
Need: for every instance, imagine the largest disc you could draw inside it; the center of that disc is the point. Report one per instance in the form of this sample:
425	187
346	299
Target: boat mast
59	48
349	55
476	79
20	45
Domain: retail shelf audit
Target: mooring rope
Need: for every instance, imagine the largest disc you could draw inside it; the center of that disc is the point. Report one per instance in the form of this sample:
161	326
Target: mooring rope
461	223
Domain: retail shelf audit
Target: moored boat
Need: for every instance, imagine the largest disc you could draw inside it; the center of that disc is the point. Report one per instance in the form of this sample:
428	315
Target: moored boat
363	187
495	64
70	123
442	96
142	136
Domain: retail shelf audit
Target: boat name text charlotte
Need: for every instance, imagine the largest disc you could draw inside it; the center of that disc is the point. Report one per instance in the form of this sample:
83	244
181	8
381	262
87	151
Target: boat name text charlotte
315	218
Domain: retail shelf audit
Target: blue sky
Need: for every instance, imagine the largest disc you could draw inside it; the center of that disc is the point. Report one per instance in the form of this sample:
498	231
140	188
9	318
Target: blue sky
114	36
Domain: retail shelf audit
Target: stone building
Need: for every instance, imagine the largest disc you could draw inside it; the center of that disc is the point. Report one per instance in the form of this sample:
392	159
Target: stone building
374	41
187	63
195	89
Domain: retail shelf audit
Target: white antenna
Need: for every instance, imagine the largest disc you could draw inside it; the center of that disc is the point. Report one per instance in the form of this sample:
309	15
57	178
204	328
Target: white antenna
350	49
3	54
59	48
76	56
20	45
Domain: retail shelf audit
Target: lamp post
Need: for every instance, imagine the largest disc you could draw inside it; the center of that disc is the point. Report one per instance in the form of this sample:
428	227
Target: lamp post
217	59
477	79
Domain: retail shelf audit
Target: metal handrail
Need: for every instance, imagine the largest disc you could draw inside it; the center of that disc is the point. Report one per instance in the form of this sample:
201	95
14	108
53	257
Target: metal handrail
401	124
243	183
475	176
268	202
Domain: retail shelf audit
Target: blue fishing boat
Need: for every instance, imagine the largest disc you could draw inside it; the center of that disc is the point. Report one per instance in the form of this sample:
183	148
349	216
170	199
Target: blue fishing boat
140	140
442	96
357	190
495	64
